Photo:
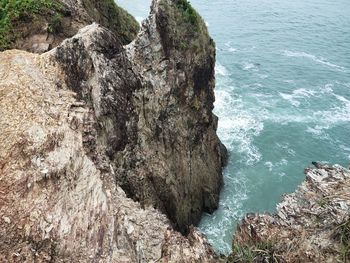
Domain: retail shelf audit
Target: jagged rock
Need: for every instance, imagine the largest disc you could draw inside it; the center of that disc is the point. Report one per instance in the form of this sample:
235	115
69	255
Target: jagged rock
155	121
90	116
178	157
311	225
57	182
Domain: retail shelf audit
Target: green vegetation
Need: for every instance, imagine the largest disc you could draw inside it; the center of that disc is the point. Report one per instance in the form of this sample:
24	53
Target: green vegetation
261	252
184	28
13	12
342	233
109	15
55	23
188	12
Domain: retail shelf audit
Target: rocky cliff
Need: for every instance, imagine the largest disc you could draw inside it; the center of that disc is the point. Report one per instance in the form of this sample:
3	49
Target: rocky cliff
178	155
109	153
91	125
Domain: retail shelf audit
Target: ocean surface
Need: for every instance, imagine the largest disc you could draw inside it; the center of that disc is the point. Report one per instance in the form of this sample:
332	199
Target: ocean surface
282	97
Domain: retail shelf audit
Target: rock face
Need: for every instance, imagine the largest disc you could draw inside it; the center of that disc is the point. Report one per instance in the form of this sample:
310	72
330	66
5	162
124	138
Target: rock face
175	163
311	225
60	201
90	124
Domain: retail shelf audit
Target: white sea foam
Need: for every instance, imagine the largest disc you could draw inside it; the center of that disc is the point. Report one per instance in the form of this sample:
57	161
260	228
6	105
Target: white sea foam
250	66
328	88
269	165
317	130
263	76
286	147
335	115
221	70
237	127
230	48
296	95
229	211
290	98
314	58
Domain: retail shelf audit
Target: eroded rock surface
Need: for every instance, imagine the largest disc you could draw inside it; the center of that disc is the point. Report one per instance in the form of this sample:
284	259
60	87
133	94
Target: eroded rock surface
311	225
178	155
90	120
63	114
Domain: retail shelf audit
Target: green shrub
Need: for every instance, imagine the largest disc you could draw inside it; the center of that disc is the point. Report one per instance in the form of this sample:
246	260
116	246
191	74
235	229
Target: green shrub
184	28
55	23
14	11
188	12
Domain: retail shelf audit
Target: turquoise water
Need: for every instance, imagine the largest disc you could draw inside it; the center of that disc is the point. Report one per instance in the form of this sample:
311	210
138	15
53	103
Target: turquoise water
282	96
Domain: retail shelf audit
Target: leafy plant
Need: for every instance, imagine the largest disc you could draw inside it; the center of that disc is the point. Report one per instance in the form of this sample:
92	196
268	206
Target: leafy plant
184	28
55	23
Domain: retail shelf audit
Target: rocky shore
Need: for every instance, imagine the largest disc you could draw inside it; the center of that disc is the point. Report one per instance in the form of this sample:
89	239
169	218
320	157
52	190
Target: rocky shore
311	225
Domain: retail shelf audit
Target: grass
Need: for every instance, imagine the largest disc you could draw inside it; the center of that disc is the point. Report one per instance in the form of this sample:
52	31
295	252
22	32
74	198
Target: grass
261	252
13	12
16	14
342	234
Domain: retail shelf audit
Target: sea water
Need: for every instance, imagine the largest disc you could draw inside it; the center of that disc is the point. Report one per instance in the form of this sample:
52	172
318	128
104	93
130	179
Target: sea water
282	97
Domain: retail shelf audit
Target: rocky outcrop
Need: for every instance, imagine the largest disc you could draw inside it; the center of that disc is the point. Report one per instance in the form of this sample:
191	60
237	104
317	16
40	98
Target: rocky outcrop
154	113
44	26
311	225
60	201
176	162
90	124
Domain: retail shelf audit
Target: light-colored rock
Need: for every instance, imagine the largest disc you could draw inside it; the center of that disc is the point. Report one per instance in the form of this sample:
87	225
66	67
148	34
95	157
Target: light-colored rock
66	118
311	225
